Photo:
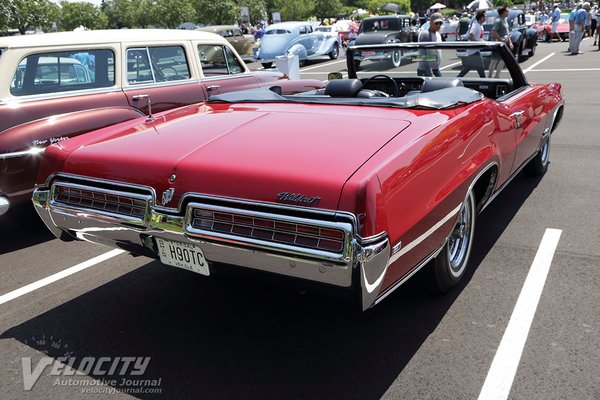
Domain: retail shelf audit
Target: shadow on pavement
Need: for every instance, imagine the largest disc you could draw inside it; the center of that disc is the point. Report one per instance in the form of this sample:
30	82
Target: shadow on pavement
226	339
21	227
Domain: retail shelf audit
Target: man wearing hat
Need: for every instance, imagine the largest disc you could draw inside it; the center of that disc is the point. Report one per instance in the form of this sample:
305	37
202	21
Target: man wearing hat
431	68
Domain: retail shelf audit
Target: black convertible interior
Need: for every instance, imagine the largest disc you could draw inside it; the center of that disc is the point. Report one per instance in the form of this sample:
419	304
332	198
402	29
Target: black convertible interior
383	86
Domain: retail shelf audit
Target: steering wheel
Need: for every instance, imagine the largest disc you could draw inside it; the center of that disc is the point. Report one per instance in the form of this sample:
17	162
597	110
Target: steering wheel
389	78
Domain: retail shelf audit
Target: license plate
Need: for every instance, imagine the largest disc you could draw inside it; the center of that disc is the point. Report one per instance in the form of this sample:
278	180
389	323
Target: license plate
367	53
182	255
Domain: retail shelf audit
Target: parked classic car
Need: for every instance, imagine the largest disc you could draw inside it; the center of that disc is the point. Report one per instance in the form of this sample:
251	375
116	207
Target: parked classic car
295	38
380	30
544	31
354	187
60	85
243	44
524	39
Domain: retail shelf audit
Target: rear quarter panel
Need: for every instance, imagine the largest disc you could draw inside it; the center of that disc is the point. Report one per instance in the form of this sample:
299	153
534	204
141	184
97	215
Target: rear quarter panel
420	178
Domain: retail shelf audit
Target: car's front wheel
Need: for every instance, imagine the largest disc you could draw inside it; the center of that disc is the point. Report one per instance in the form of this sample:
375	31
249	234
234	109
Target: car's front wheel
335	53
450	265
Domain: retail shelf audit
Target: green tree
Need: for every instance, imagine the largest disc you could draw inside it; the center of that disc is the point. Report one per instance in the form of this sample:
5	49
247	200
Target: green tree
171	13
327	8
293	10
25	14
129	13
73	15
211	12
374	6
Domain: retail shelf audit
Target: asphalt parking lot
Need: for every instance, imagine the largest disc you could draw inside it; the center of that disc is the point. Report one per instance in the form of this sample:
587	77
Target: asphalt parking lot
201	338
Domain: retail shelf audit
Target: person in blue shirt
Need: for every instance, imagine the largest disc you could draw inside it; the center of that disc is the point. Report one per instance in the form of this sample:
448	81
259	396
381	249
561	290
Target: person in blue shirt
572	25
555	17
581	16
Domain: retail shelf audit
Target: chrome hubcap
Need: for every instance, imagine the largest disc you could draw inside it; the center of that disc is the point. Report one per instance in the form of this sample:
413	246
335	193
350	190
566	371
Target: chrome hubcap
545	151
460	240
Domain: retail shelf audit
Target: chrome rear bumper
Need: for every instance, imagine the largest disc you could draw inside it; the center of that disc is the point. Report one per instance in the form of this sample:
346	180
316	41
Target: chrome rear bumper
361	268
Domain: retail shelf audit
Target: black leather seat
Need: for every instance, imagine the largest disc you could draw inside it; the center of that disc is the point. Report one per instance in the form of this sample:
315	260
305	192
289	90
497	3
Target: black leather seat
432	84
343	88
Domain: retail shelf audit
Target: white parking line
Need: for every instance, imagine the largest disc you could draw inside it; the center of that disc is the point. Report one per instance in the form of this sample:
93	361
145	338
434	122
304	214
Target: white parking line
450	65
321	65
58	276
504	367
567	70
526	70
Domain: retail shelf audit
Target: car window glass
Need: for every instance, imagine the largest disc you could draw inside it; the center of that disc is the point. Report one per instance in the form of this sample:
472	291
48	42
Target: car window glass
237	32
156	64
63	71
234	65
218	60
277	32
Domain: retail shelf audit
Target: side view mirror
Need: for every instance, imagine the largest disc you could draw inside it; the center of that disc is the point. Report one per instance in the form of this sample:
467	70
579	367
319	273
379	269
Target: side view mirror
332	76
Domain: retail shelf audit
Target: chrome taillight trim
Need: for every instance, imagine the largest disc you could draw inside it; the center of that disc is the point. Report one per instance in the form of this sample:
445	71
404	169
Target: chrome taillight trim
346	227
123	217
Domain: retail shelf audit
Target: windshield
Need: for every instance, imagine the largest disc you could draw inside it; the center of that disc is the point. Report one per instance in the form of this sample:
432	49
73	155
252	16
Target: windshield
428	62
380	25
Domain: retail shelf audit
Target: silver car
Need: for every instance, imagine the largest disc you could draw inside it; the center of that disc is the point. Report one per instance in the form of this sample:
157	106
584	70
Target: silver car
295	38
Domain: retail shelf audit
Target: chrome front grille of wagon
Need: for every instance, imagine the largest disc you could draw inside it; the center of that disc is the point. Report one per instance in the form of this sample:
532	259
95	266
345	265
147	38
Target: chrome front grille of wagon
313	238
129	207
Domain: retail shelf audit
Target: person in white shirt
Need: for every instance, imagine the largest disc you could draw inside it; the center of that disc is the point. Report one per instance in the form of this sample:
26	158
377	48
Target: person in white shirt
473	60
431	68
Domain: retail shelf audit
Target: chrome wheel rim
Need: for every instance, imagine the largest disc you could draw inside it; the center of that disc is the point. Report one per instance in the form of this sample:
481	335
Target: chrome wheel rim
545	151
396	59
459	242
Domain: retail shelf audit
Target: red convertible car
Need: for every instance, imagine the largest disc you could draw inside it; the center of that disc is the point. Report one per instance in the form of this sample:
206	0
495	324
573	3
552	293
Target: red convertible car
544	31
353	187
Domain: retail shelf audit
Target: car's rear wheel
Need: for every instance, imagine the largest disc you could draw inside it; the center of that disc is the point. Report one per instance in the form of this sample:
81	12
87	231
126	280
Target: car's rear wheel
532	51
450	265
335	53
267	65
539	164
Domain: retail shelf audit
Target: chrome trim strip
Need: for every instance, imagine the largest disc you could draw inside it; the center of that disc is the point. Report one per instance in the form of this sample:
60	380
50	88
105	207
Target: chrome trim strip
4	205
125	185
150	85
31	152
345	256
372	239
60	95
409	275
244	74
425	235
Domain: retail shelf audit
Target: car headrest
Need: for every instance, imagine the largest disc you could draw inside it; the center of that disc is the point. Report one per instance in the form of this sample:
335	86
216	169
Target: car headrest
432	84
343	88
